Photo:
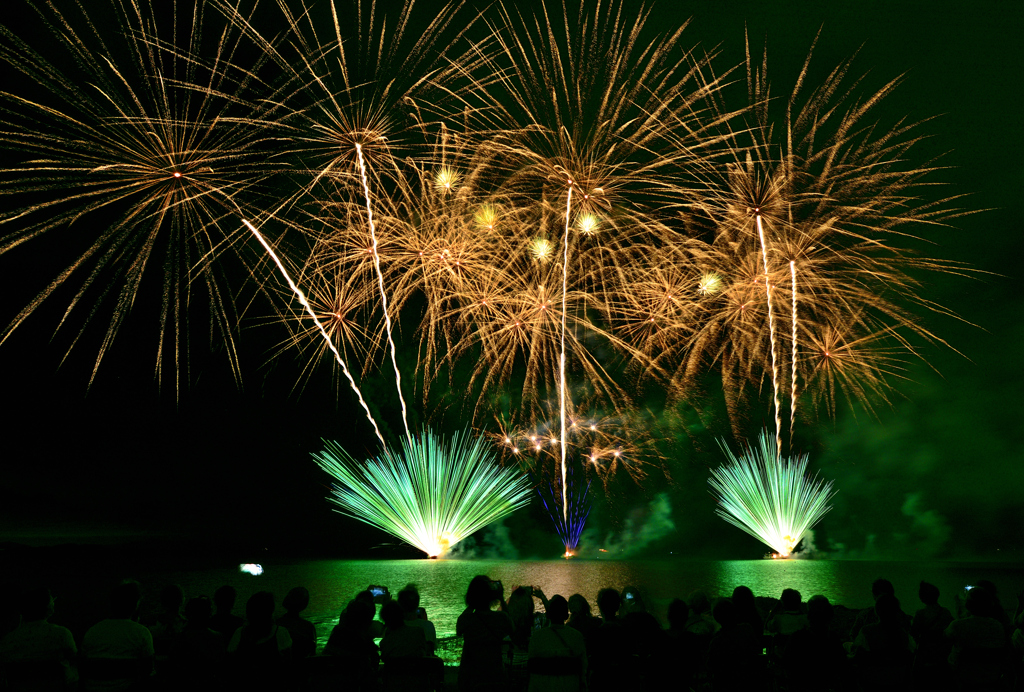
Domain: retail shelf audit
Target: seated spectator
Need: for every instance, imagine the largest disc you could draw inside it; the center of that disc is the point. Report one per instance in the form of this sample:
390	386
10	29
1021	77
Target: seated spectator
350	641
814	659
789	616
928	628
650	651
260	650
409	600
367	596
746	608
521	610
117	652
302	631
610	657
197	655
685	647
701	622
483	630
996	608
169	622
733	651
400	640
978	641
557	641
36	654
223	620
882	650
879	588
581	620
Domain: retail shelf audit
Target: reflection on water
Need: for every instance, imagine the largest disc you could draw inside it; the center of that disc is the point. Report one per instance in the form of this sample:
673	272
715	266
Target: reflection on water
442	583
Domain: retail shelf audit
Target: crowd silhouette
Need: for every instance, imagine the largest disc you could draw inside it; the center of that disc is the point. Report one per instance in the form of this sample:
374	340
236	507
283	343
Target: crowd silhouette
529	642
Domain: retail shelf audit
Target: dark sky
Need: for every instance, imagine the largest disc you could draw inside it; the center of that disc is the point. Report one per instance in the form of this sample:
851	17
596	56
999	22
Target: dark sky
940	473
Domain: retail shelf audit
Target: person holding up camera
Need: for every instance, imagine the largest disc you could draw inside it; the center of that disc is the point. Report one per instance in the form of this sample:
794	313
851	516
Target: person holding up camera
484	627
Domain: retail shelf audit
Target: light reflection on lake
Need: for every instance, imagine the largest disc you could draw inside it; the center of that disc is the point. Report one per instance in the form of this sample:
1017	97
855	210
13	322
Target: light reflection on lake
442	583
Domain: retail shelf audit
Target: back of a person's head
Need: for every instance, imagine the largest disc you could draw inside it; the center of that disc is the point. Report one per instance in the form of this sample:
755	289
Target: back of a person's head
558	609
887	608
819	611
259	609
296	600
36	604
698	602
409	599
991	589
608	601
678	613
928	593
392	615
643	628
172	597
480	593
790	599
882	586
724	612
124	599
743	598
979	602
358	615
198	611
224	598
578	605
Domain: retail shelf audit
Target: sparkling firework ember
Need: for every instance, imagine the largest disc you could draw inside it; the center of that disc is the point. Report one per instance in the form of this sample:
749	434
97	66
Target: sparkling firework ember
568	511
431	494
768	496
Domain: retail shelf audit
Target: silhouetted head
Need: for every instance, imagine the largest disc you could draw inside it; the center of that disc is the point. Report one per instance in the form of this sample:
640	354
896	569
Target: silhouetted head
358	615
392	615
678	613
557	610
124	600
698	602
979	602
409	598
882	586
481	593
172	597
297	600
992	593
928	593
36	604
578	605
887	608
366	596
259	609
608	602
224	598
198	611
790	599
724	612
819	612
743	598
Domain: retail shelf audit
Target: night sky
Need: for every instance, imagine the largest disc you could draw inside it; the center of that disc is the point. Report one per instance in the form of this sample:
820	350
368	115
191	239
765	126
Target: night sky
940	473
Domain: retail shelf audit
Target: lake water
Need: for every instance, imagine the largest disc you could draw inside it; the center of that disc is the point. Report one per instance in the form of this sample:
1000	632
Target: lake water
442	583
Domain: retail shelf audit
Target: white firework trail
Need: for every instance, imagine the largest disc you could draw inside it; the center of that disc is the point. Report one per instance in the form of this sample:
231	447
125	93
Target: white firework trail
771	329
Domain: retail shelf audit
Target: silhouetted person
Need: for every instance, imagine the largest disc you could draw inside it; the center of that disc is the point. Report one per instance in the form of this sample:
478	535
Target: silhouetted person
746	608
978	642
814	659
581	619
400	640
789	617
557	641
169	622
367	596
610	659
650	651
198	654
117	653
350	642
879	587
700	622
521	609
409	600
632	602
260	650
37	654
996	609
302	631
686	648
733	652
223	620
882	649
928	628
483	630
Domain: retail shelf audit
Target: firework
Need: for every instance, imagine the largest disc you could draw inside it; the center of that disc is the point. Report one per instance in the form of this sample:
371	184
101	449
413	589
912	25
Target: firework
770	496
568	524
431	495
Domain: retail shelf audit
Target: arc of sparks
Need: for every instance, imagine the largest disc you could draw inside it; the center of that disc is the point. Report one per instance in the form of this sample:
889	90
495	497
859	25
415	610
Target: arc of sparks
561	356
771	331
309	310
380	284
792	393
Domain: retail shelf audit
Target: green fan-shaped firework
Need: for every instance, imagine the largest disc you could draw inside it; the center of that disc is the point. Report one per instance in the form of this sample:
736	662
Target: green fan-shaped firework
431	494
770	497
